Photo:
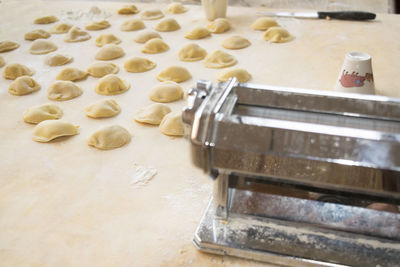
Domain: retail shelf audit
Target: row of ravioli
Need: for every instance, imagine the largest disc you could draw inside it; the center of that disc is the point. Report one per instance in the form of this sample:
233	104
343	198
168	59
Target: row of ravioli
49	126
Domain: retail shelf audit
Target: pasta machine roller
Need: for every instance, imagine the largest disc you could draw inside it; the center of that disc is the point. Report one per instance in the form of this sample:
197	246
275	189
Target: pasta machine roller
301	177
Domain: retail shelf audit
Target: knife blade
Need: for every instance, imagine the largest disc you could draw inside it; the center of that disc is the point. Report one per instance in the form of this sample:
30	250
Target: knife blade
342	15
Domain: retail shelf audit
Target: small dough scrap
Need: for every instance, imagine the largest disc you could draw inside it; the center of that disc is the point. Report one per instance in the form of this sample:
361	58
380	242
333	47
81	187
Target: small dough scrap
263	24
58	60
61	27
63	90
175	74
152	14
197	33
168	25
40	47
155	46
105	108
176	8
219	25
241	75
166	92
235	42
277	35
111	84
36	34
128	10
132	25
8	46
37	114
107	38
71	74
45	20
76	34
192	52
172	124
109	52
2	62
97	25
100	69
139	64
219	59
152	114
15	70
143	37
48	130
23	85
110	137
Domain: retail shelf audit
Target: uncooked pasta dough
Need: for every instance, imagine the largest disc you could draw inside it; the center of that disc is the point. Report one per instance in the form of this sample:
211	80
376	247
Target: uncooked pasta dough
277	35
166	92
48	130
197	33
176	8
100	69
132	25
61	27
109	52
144	36
235	42
167	25
192	52
172	124
63	90
23	85
111	84
97	25
155	46
2	62
6	46
76	34
105	108
45	20
36	34
263	24
241	75
58	59
15	70
219	25
128	10
174	73
71	74
110	137
139	64
152	114
152	14
219	59
107	38
40	47
41	113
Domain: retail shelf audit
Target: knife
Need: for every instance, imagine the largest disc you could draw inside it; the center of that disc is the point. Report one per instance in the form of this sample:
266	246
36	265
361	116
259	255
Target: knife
342	15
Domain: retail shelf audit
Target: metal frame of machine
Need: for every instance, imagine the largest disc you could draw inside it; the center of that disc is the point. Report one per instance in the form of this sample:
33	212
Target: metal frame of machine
296	171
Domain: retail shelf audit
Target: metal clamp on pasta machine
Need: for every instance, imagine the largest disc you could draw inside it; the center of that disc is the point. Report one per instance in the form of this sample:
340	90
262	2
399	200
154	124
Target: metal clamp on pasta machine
301	177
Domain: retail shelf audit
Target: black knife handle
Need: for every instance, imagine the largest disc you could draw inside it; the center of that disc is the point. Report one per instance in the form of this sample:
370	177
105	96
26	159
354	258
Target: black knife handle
347	15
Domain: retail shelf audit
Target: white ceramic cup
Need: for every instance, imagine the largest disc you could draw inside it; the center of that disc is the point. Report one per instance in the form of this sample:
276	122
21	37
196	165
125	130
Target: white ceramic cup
356	74
215	8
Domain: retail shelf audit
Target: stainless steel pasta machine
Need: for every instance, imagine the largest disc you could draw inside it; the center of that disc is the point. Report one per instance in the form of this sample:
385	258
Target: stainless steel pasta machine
301	177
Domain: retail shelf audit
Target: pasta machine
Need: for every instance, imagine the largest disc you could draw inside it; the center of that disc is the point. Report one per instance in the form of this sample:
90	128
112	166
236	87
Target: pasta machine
301	177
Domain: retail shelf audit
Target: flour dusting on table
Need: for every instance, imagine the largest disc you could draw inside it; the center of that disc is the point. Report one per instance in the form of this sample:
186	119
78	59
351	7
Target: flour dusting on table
93	14
143	175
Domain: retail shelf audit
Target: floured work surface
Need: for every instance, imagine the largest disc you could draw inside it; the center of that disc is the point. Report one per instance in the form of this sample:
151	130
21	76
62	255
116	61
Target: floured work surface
64	203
